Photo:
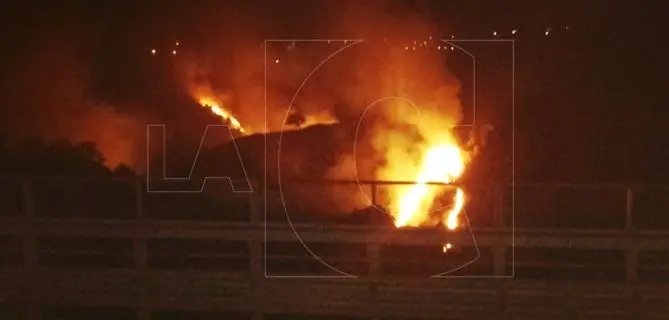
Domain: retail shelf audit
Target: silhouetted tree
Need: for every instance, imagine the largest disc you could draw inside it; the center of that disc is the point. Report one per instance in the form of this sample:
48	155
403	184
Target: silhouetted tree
296	119
36	157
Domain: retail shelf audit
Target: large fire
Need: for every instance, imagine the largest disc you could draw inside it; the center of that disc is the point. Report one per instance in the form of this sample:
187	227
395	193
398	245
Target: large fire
215	107
442	163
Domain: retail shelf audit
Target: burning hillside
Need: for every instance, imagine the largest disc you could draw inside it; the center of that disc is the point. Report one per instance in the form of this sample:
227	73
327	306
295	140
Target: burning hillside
226	116
407	135
396	111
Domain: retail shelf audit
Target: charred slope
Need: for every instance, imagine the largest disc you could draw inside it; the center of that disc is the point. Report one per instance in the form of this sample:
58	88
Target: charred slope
308	154
300	154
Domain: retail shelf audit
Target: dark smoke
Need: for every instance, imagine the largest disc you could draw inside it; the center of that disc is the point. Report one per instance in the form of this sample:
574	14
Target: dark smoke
46	95
84	77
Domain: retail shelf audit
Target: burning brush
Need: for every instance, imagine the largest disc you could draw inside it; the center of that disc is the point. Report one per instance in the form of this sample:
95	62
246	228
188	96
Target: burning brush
215	106
443	162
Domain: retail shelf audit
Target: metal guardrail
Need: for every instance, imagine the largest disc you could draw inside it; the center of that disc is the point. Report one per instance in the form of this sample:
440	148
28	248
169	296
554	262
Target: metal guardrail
143	263
522	205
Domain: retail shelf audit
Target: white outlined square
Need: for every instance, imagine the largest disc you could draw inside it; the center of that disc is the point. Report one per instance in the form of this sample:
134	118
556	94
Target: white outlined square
452	43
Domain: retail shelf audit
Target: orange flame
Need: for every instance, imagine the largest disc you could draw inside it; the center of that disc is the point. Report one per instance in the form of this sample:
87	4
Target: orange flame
442	163
214	106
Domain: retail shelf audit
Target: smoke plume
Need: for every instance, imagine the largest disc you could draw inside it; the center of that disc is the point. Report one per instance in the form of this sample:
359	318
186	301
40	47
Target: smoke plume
46	96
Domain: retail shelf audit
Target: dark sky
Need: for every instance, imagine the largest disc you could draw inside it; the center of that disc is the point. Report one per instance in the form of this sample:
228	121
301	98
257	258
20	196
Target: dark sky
589	106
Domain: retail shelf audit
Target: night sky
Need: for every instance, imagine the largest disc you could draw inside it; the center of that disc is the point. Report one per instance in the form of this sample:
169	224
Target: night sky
589	97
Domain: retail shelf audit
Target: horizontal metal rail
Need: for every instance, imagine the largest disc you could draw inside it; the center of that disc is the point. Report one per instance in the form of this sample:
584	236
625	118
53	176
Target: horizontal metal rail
370	182
32	282
231	231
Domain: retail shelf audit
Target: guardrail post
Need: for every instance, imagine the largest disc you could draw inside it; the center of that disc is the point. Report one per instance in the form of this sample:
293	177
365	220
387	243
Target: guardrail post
373	253
499	253
629	210
28	199
631	261
500	247
34	313
632	251
144	314
141	252
256	248
29	243
255	258
373	262
256	275
139	204
498	209
373	193
139	241
254	203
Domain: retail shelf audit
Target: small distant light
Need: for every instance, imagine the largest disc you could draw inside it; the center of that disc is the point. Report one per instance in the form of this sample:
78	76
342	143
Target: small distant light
438	47
452	36
430	37
414	42
177	43
345	41
548	30
452	48
406	47
153	51
276	61
494	33
329	41
424	43
174	52
414	48
514	31
446	247
566	27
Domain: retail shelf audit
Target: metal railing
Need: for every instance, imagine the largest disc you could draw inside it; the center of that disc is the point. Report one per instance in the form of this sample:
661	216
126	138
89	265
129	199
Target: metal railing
144	261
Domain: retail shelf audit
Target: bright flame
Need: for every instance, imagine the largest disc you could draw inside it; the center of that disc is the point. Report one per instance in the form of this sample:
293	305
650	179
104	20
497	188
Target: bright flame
214	106
452	217
442	163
